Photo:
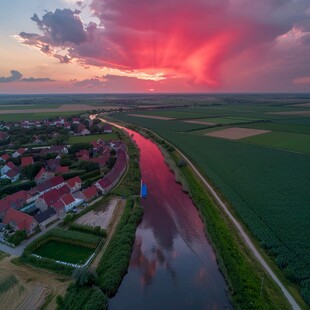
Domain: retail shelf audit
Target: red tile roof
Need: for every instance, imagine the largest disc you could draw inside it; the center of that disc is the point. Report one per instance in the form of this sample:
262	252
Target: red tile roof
22	220
58	206
67	199
65	189
26	161
4	205
90	192
56	180
12	173
50	197
60	169
5	157
72	182
40	173
11	165
21	151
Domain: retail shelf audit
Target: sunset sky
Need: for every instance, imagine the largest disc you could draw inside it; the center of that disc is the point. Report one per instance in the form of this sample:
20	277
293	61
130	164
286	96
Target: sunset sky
154	46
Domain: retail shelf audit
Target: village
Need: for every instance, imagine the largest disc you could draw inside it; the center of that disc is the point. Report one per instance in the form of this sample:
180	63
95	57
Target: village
41	183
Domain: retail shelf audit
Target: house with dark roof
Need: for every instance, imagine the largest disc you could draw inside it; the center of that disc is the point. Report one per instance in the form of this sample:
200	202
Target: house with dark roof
26	161
46	217
53	164
43	176
20	221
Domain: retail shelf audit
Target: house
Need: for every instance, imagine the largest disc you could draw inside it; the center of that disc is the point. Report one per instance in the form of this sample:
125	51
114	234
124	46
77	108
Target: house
12	175
107	128
20	221
17	200
46	217
36	139
81	130
26	161
90	193
3	135
18	153
43	176
75	184
4	158
8	167
62	169
59	149
47	200
82	154
70	202
57	182
59	208
75	120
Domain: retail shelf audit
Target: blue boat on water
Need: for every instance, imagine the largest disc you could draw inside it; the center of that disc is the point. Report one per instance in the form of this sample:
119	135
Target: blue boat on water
143	191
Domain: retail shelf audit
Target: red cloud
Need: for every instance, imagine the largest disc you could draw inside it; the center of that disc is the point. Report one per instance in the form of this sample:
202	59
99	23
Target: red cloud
180	38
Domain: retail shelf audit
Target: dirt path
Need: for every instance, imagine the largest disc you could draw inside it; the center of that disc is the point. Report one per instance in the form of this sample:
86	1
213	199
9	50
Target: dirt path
33	286
241	231
111	229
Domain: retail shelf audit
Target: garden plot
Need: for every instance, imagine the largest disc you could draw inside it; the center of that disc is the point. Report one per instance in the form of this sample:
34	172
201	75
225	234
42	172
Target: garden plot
99	218
236	133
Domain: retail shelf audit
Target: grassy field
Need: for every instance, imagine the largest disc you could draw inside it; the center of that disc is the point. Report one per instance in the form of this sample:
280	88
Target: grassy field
173	125
296	142
228	120
64	252
89	138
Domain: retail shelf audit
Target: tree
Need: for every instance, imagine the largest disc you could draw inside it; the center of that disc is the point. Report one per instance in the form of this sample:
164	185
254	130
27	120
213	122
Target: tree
83	277
32	170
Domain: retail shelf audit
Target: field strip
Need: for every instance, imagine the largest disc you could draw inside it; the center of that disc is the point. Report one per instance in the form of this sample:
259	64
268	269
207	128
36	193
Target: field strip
305	112
236	133
163	118
242	232
200	122
303	105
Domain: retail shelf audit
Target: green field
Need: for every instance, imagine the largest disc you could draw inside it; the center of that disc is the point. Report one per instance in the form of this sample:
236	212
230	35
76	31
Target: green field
65	252
173	125
268	187
89	138
228	120
296	142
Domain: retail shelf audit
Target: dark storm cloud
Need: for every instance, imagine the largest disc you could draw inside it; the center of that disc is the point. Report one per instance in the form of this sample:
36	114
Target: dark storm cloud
16	76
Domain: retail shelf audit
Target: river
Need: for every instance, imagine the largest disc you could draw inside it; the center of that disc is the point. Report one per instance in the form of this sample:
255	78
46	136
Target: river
172	265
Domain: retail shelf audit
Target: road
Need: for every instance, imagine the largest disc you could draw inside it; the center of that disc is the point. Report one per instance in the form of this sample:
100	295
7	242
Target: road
241	231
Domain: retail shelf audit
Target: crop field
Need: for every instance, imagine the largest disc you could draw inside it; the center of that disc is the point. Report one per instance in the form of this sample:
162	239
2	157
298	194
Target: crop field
173	125
265	178
236	133
89	138
296	142
35	116
65	252
228	120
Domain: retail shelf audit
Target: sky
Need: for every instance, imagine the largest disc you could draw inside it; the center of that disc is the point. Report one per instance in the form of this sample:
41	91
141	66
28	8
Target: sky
176	46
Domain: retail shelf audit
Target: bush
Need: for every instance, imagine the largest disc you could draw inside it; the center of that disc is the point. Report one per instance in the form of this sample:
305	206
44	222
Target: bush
18	237
97	231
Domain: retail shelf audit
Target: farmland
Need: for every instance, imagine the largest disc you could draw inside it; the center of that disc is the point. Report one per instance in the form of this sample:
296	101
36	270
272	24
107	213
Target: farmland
264	178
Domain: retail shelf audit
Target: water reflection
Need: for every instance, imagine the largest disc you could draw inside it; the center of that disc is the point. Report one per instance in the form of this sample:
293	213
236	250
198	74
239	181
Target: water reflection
172	265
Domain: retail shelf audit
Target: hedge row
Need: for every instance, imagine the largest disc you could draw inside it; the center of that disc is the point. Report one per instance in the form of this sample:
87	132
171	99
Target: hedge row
115	260
14	188
97	230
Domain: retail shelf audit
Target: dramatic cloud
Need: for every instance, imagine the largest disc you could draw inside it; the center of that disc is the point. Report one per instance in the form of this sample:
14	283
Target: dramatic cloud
16	76
177	39
91	83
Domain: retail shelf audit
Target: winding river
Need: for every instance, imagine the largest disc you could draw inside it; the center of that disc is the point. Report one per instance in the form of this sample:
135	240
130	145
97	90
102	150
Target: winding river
172	265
